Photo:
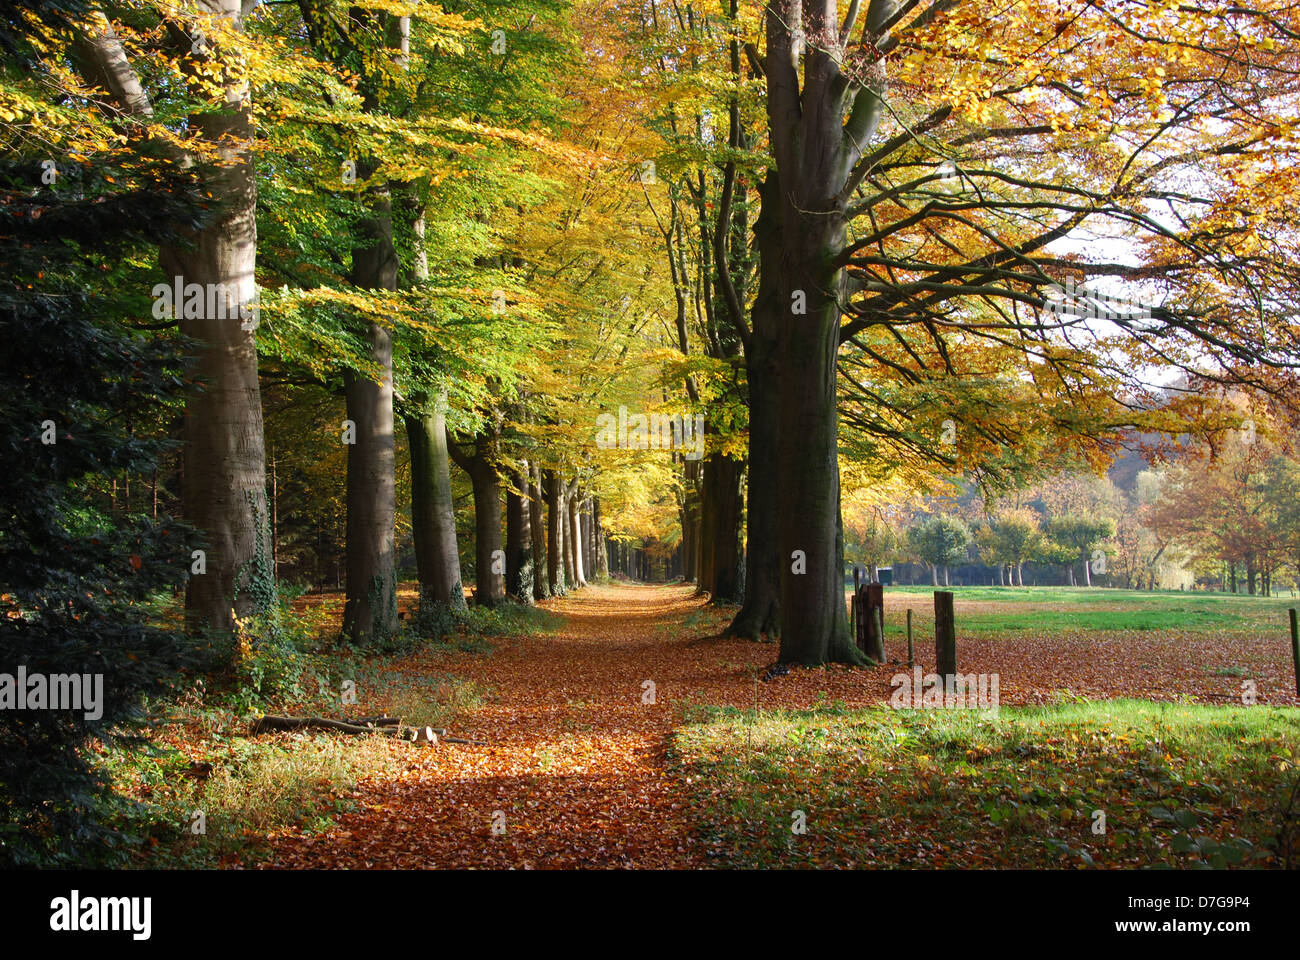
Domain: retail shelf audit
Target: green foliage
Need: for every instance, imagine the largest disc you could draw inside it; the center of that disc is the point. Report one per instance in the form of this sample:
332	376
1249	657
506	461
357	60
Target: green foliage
510	620
1202	851
1080	533
276	653
435	621
82	585
940	541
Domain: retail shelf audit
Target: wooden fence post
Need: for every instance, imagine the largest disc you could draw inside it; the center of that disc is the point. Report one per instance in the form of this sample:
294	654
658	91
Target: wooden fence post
945	634
855	616
1295	650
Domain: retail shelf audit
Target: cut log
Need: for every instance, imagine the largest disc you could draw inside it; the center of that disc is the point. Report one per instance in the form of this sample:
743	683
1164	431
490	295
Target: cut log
384	726
267	723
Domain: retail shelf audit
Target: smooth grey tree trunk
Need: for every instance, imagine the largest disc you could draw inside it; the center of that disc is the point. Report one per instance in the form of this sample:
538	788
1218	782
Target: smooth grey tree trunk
554	533
519	539
433	513
488	553
433	516
574	538
370	611
223	472
602	542
537	527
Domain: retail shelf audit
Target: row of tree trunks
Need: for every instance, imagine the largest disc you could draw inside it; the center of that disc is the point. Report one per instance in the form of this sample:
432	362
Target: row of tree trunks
631	561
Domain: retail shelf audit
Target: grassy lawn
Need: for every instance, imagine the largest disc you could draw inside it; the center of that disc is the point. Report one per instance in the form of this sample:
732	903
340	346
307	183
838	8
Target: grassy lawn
1179	785
987	611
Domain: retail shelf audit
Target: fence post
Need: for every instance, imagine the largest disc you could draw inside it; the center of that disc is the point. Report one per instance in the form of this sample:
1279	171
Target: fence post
945	634
1295	650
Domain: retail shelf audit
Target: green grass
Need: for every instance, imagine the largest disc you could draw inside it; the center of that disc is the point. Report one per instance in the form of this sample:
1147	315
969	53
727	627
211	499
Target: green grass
256	787
1179	785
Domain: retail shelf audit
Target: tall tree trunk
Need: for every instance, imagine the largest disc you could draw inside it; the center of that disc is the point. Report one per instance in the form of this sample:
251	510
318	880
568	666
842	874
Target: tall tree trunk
602	542
815	151
761	613
705	530
370	611
487	536
433	517
688	542
433	513
691	519
566	536
723	475
555	565
537	529
489	565
574	538
519	539
588	538
223	463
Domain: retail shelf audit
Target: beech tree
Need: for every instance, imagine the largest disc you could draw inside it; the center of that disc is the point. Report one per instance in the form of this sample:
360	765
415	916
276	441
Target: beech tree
224	475
939	220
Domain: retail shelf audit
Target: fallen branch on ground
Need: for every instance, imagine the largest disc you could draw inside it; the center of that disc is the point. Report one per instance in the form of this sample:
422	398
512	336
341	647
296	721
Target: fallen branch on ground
384	726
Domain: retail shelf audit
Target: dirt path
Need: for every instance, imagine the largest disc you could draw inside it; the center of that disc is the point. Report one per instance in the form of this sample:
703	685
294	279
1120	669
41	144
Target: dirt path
576	762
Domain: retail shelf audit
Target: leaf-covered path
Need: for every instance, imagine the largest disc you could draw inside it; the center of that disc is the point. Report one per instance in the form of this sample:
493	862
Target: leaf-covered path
578	764
575	761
